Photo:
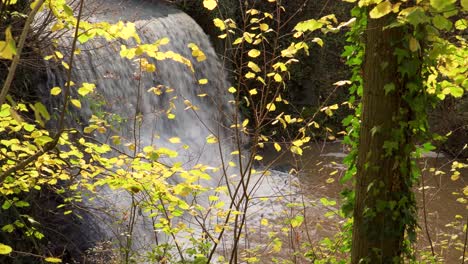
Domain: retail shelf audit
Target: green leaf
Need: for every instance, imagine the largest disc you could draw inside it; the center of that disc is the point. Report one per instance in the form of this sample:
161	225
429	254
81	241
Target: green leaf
415	15
461	24
6	205
442	5
42	140
456	91
381	10
442	23
464	4
68	10
8	228
308	25
389	87
297	221
21	204
5	249
40	109
327	202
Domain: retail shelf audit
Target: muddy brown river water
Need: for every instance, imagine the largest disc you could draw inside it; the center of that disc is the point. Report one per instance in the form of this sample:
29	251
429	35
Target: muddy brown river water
442	209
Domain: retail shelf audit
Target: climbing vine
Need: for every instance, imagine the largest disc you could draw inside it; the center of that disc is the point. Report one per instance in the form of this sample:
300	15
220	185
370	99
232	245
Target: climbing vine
429	69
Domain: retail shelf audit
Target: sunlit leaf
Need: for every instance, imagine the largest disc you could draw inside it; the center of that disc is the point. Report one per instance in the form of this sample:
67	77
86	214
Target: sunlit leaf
254	53
55	91
174	140
5	249
210	4
381	10
53	260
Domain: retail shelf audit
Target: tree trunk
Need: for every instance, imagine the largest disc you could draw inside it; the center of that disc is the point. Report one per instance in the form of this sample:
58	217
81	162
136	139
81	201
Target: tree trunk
382	172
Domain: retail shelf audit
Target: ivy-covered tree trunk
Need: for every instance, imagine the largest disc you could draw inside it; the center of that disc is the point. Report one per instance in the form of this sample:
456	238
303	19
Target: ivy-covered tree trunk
383	196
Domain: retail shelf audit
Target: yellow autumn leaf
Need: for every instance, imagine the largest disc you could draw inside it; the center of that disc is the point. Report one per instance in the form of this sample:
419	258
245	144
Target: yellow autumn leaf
254	53
174	140
455	176
76	103
253	66
210	4
211	139
413	44
271	107
55	91
381	10
330	180
8	47
53	260
5	249
277	147
264	27
65	65
232	90
278	78
250	75
203	81
298	142
296	150
253	91
219	24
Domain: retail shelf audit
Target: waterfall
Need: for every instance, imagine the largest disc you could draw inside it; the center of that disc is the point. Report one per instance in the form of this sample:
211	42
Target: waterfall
125	94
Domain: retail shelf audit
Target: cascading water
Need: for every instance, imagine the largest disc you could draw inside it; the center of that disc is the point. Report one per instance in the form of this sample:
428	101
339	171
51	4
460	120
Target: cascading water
143	118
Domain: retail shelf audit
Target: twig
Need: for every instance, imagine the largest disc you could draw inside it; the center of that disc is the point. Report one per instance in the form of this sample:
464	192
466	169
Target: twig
16	58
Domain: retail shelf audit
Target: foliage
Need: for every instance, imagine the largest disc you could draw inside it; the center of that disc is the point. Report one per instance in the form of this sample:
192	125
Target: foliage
74	164
431	67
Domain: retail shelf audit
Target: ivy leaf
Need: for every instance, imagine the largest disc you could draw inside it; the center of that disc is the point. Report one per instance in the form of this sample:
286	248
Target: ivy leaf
456	91
441	5
381	10
464	4
461	24
5	249
442	23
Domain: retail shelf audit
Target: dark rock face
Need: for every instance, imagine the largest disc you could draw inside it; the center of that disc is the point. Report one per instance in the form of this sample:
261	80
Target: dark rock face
452	117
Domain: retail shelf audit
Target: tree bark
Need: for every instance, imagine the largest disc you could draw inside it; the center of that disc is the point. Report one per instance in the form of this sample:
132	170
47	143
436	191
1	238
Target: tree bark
378	230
